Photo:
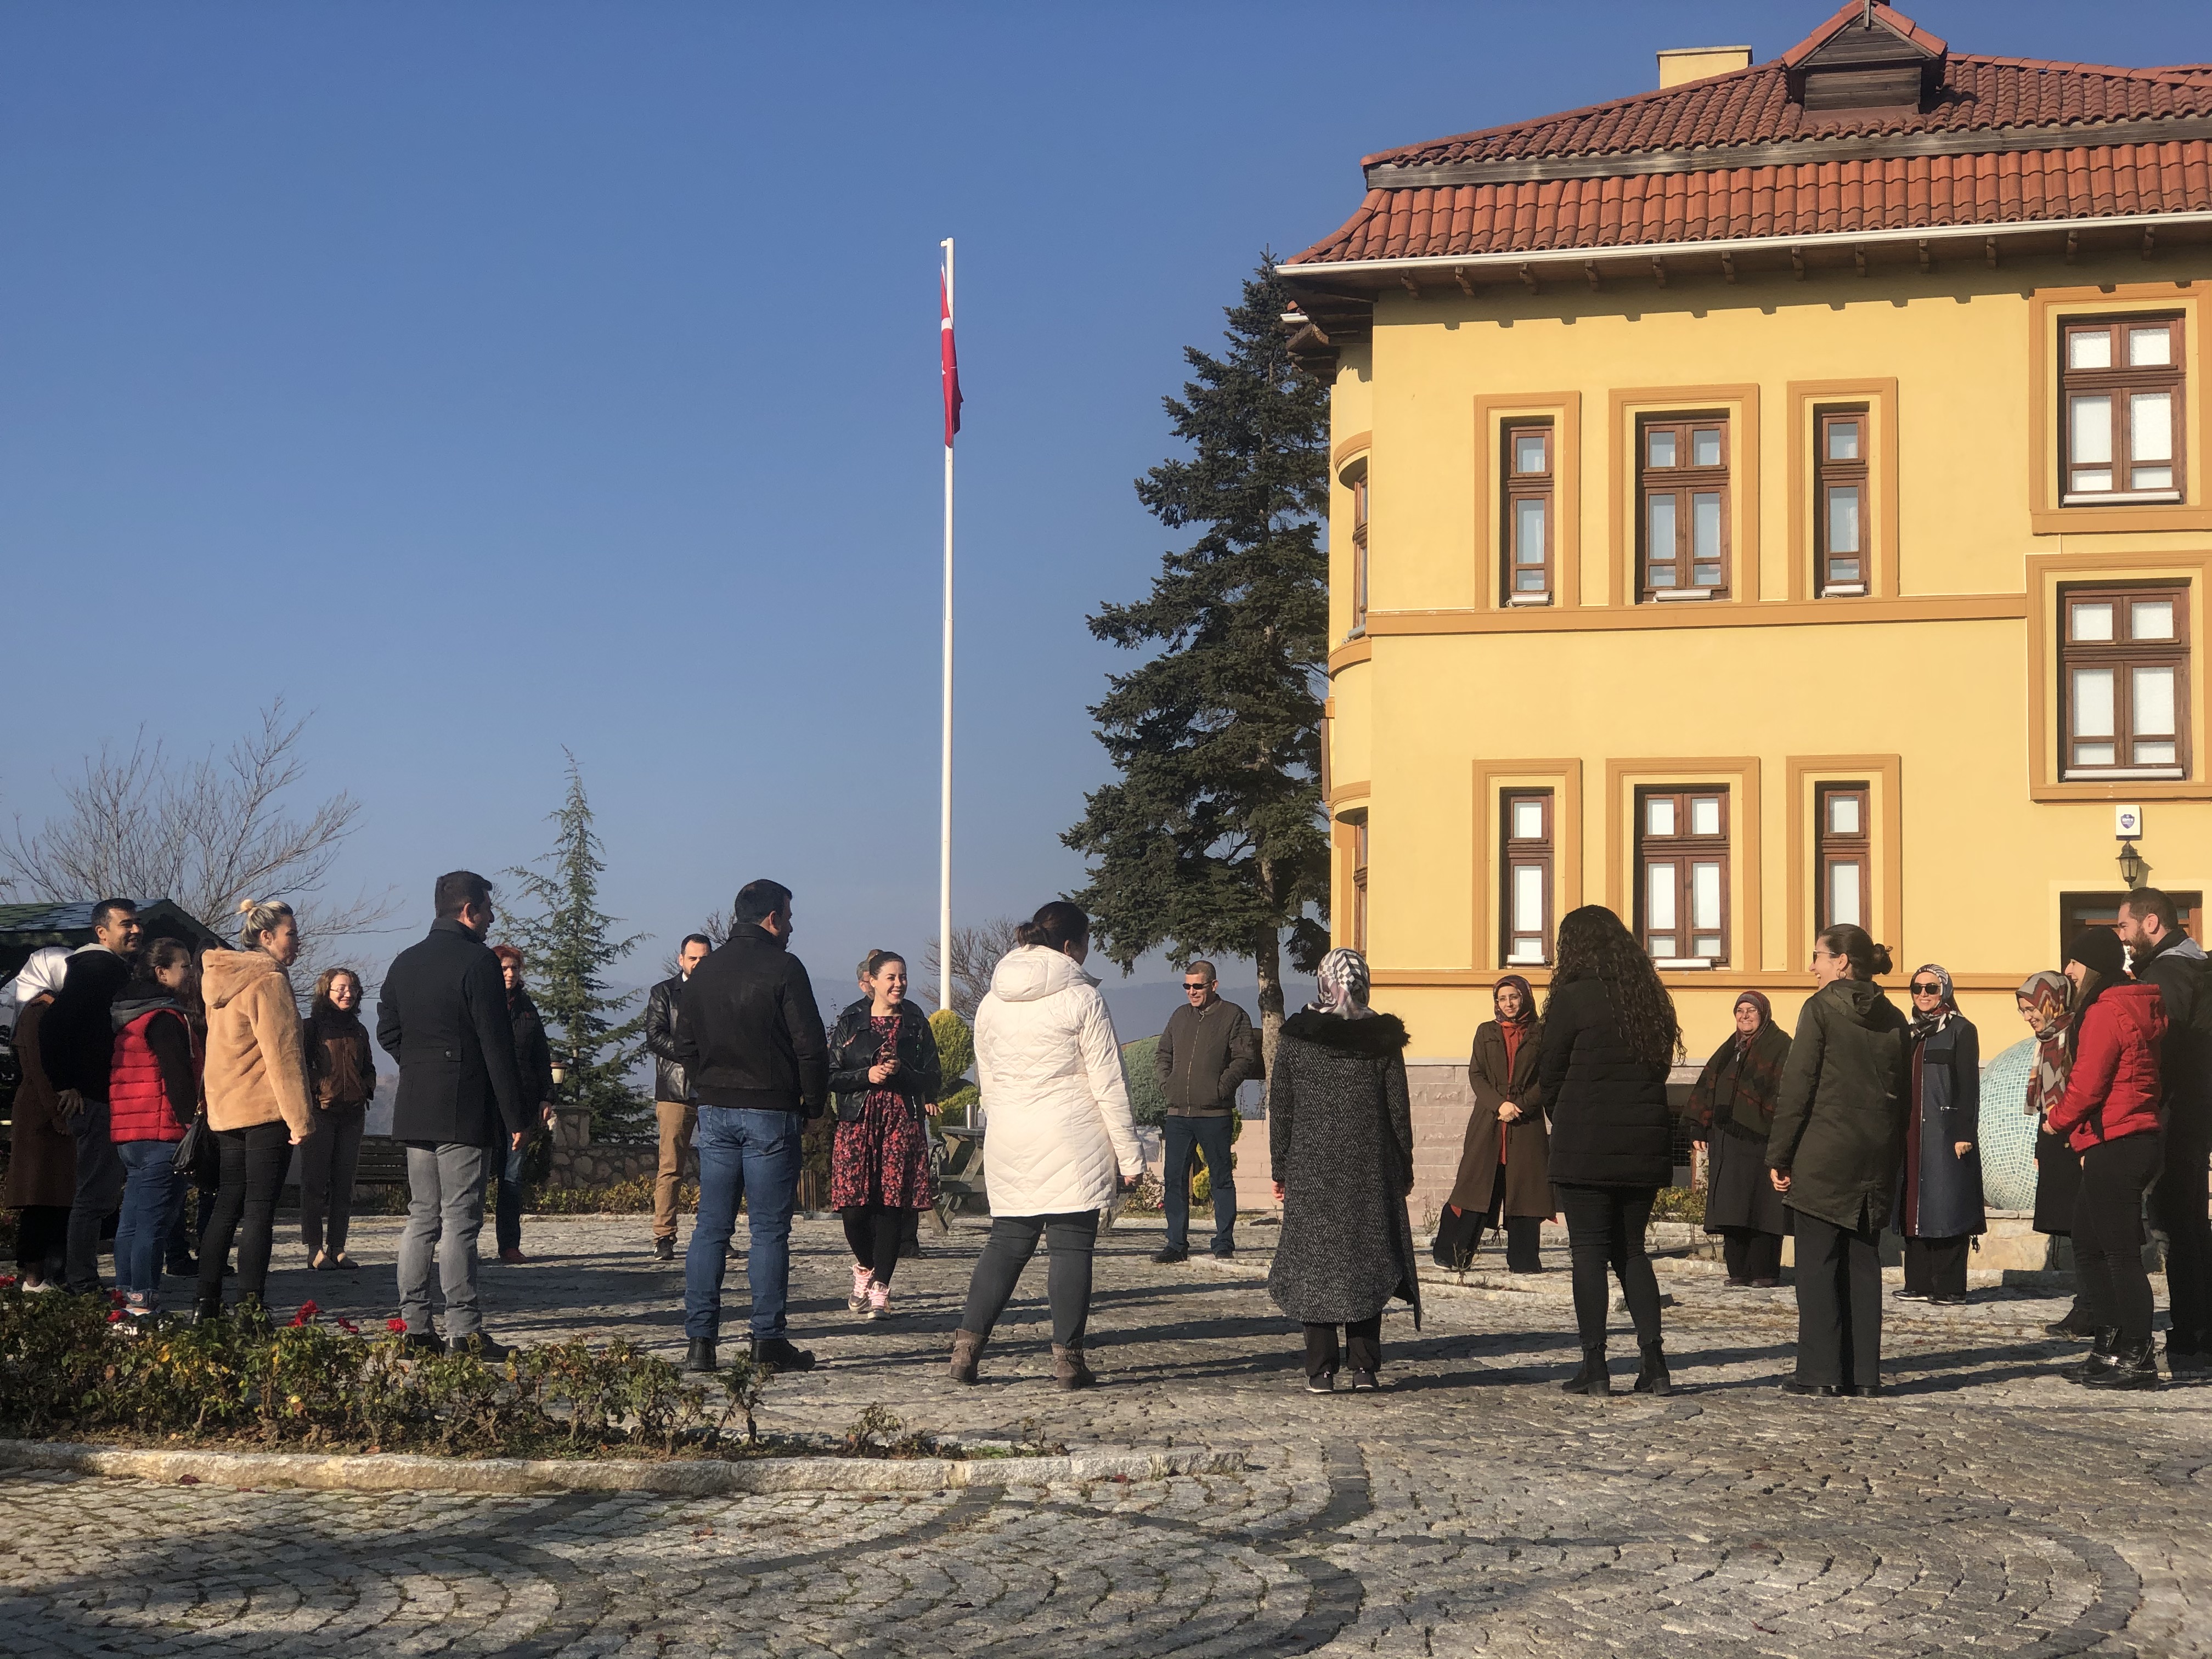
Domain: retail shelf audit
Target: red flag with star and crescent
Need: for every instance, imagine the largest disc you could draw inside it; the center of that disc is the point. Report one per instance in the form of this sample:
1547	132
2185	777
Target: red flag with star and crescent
948	362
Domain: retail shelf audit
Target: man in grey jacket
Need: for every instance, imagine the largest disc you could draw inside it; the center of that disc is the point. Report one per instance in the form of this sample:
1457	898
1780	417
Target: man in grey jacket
1208	1048
2162	954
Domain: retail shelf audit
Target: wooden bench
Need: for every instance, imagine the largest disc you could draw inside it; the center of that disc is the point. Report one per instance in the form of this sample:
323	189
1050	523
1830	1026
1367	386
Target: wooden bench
383	1163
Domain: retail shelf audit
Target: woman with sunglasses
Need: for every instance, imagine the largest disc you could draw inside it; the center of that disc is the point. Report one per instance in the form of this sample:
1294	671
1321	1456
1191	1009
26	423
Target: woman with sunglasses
1839	1137
1939	1202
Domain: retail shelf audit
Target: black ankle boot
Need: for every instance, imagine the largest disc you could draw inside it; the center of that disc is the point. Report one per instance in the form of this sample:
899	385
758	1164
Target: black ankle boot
1592	1378
2135	1366
2100	1359
1653	1378
699	1359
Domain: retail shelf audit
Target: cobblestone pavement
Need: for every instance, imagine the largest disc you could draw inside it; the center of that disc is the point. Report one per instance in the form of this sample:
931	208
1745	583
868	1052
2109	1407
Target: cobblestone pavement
1471	1508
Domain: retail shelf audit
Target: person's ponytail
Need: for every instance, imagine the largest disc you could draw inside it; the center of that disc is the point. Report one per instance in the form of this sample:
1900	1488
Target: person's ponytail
1055	926
1855	946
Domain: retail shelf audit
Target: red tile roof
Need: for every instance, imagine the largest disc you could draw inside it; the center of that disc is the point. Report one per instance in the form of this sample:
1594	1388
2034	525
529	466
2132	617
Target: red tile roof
1656	168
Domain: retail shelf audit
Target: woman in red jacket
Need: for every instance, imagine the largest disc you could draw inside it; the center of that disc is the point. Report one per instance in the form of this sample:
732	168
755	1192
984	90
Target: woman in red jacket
154	1090
2110	1115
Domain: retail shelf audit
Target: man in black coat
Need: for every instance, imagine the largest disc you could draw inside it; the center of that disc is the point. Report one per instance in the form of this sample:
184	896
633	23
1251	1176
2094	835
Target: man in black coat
77	1046
674	1112
753	1049
442	1015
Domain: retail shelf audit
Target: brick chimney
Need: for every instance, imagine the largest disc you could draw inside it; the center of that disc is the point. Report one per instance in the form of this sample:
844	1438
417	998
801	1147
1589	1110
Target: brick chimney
1681	63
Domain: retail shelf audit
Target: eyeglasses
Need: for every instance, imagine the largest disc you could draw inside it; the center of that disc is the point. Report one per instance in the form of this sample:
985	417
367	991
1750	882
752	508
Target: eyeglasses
1928	988
1193	985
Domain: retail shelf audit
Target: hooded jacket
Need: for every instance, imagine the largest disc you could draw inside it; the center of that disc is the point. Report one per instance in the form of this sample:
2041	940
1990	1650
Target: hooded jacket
1058	1124
2185	1060
1839	1121
257	1067
2113	1090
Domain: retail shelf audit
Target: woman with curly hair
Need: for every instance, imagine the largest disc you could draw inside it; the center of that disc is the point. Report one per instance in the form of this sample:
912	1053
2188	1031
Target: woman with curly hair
1610	1036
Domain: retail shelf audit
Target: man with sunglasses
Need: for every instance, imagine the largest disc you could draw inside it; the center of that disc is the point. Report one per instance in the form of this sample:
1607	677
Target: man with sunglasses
1208	1048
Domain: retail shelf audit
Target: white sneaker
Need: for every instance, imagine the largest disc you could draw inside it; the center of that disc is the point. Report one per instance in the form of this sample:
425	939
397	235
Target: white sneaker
857	1301
879	1300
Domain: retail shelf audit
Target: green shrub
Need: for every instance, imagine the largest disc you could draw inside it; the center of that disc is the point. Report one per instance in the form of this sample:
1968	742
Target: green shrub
1146	1098
1678	1204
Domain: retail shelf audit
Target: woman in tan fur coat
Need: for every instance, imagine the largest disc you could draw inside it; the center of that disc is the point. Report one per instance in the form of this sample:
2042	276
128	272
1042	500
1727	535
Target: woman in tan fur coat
259	1102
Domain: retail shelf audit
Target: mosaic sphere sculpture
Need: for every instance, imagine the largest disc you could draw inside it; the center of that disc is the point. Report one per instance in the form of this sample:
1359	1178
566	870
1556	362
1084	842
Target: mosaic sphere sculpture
2007	1131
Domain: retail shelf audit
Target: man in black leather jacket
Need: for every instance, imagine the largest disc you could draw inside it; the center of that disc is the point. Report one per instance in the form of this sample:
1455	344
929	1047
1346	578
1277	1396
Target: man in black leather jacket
674	1107
757	1058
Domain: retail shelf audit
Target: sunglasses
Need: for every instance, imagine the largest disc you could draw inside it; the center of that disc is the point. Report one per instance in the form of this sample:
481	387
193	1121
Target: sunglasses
1193	985
1928	988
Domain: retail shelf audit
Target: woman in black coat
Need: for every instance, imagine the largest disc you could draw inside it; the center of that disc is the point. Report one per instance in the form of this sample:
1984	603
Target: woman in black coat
1610	1035
1839	1138
533	1059
1939	1208
1341	1147
1504	1161
1732	1108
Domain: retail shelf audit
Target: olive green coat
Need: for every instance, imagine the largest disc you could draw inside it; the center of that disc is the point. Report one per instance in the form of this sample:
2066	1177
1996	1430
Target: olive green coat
1839	1121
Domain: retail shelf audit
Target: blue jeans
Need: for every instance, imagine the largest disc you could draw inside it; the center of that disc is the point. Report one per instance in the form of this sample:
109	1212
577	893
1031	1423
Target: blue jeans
152	1198
1211	1136
753	1156
507	1229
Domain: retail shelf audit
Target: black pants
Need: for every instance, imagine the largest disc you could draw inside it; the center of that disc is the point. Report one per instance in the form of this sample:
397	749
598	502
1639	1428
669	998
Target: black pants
1751	1253
1459	1235
1937	1266
42	1240
1363	1347
2179	1202
2108	1233
1013	1240
254	1164
1605	1229
874	1232
1839	1303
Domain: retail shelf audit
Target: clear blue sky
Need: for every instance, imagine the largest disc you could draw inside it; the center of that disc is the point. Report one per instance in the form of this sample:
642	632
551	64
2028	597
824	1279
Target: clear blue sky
488	378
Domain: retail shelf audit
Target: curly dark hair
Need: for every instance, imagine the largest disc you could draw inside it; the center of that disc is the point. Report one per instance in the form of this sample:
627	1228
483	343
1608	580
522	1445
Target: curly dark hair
1593	945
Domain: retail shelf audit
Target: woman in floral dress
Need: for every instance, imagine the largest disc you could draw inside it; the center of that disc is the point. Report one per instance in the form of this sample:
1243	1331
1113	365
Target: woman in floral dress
885	1073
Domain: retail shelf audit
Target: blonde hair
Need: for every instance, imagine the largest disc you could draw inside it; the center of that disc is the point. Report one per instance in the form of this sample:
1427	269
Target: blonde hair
320	1002
262	916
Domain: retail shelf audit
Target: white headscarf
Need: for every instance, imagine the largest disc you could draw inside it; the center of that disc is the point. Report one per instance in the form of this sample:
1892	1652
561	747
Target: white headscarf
1340	985
41	975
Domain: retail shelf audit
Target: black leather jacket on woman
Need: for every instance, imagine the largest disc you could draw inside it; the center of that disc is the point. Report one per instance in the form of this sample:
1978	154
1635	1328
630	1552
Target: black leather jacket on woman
854	1048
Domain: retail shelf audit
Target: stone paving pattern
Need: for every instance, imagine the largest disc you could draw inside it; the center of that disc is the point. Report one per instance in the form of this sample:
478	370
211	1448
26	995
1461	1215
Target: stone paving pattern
1979	1506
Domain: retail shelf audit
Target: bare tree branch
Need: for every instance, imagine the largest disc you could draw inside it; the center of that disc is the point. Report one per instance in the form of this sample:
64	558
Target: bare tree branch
204	834
975	953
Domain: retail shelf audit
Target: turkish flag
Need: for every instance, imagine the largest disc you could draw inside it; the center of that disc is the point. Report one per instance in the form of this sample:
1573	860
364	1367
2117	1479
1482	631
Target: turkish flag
948	363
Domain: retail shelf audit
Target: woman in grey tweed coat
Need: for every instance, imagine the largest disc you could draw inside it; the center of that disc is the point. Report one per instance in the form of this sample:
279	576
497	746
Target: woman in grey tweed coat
1340	1137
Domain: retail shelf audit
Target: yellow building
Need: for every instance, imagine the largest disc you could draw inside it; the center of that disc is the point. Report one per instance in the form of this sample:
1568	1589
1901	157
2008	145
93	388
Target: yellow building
1778	498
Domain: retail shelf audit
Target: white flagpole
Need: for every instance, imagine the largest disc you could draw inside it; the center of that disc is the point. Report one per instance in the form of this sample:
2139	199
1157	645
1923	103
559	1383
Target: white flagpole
944	820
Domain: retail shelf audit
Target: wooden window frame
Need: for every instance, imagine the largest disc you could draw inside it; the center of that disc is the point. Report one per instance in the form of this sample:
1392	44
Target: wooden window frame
1883	892
1832	849
1688	849
1625	407
1491	568
1359	554
1359	855
1516	487
1806	402
2117	382
1493	780
1518	853
2080	908
2049	311
2119	656
1829	473
1684	481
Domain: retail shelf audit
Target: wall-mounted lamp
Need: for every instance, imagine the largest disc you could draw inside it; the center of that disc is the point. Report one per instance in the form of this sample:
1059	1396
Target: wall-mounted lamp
2131	866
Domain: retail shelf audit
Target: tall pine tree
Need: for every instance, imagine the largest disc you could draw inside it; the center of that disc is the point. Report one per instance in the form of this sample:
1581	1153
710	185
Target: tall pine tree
1211	843
565	937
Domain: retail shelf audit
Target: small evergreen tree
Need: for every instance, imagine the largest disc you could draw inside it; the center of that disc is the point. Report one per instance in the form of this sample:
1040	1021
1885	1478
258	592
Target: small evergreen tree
565	937
1211	843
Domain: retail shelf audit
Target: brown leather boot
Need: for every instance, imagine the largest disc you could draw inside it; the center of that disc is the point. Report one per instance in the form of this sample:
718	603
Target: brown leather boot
967	1353
1068	1369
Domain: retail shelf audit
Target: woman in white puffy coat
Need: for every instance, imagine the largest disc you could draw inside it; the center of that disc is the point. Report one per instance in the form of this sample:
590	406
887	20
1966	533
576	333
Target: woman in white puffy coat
1061	1139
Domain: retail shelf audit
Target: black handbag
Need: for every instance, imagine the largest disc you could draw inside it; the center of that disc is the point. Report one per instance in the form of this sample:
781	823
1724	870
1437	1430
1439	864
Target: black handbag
198	1158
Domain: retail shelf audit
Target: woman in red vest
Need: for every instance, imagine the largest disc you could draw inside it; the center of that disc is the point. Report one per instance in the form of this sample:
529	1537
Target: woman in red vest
153	1091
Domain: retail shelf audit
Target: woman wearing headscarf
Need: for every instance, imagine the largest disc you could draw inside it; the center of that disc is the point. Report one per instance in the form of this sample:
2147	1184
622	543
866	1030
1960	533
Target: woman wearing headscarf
2044	1001
41	1146
1504	1161
2110	1112
1838	1139
1341	1147
1610	1037
1939	1207
1732	1110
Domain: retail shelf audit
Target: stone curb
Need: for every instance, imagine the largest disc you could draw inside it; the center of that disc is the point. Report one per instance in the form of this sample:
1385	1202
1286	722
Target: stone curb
699	1479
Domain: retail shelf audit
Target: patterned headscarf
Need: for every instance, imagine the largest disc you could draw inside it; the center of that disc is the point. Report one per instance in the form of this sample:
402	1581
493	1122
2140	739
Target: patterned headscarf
1528	1015
1340	985
1924	1024
2046	995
